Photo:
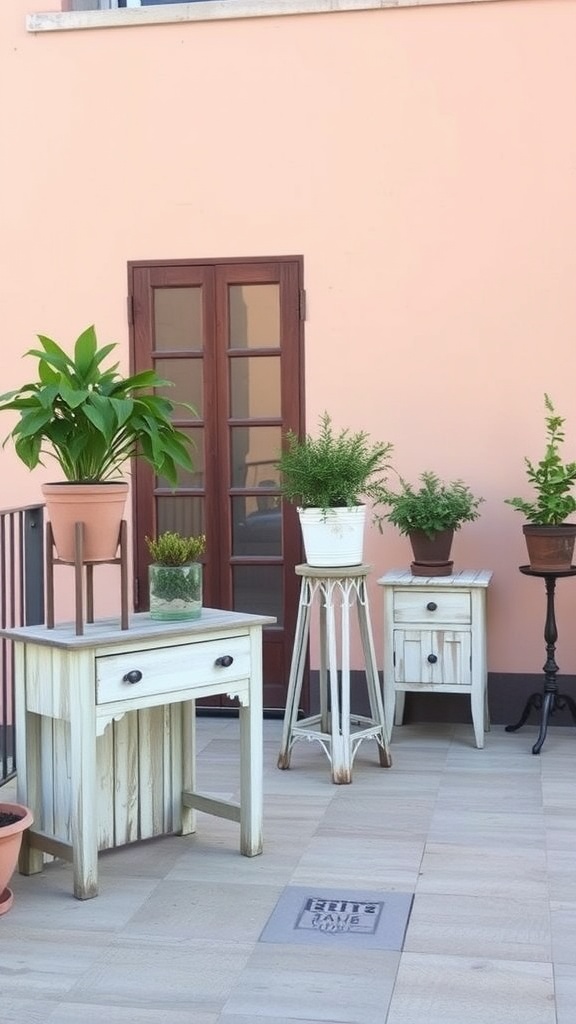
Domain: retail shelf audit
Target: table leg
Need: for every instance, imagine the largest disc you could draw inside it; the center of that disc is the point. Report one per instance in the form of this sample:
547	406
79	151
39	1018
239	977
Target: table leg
83	820
295	680
188	763
251	758
373	684
339	725
29	782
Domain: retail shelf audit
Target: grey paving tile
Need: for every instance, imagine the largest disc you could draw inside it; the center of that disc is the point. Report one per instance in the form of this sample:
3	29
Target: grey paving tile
32	965
302	983
562	874
489	828
480	926
563	929
454	869
73	1013
565	978
46	899
26	1011
362	861
225	911
178	974
451	990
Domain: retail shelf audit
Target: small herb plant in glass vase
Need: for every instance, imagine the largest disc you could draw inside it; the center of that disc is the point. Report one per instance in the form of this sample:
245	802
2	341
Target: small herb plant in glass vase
175	576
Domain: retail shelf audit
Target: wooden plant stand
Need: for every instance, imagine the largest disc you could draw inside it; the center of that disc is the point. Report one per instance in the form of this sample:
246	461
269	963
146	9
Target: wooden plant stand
80	564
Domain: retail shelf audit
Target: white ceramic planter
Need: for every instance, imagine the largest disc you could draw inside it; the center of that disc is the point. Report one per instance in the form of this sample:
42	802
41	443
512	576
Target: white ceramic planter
335	537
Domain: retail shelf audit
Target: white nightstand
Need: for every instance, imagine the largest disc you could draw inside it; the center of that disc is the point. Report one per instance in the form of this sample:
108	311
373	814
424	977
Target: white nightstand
435	640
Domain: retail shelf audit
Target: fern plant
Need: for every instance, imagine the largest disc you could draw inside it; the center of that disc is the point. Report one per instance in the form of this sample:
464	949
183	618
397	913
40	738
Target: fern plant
336	469
551	478
432	507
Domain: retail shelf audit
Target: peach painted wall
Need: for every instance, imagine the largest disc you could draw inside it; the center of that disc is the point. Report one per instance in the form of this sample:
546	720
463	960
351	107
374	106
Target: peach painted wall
421	159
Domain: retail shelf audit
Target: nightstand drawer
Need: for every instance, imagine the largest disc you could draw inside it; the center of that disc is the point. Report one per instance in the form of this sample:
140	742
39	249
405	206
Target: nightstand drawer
171	668
439	607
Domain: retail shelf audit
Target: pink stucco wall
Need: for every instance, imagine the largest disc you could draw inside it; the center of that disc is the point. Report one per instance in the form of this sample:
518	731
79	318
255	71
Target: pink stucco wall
421	159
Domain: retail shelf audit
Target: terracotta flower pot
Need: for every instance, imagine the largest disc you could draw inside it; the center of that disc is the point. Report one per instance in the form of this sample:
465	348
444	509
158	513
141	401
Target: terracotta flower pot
431	555
10	843
550	548
99	507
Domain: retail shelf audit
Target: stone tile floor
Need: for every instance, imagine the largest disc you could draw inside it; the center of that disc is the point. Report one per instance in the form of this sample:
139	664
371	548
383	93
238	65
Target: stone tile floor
485	839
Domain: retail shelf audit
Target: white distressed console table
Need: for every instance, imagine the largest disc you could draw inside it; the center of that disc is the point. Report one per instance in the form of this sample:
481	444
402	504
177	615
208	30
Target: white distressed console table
105	730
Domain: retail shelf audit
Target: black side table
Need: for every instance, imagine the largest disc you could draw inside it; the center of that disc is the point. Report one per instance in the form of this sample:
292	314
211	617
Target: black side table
549	700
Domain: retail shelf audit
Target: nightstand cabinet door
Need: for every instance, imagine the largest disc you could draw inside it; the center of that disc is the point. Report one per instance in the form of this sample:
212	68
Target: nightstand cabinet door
436	658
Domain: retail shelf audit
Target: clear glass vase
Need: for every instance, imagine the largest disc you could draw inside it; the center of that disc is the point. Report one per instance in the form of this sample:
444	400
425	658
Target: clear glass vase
175	591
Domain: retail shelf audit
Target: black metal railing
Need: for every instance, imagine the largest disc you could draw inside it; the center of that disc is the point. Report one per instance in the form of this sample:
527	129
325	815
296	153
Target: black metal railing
21	604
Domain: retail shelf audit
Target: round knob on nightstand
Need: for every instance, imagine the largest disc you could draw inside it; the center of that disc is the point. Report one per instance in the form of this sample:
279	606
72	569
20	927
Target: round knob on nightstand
431	606
132	677
225	660
432	658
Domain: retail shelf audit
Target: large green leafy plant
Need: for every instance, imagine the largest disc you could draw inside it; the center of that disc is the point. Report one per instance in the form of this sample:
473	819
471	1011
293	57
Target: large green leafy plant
432	507
552	479
92	420
333	470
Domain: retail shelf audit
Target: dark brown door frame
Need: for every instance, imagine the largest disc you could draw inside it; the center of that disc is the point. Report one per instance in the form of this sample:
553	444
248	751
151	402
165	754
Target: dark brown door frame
293	370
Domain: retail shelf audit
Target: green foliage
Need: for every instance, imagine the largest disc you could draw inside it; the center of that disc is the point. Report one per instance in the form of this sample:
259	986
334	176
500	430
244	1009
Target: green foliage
333	470
551	479
92	420
174	549
433	507
177	582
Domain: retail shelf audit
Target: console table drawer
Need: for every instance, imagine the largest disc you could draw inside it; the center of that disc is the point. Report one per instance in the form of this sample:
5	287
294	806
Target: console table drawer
437	608
171	668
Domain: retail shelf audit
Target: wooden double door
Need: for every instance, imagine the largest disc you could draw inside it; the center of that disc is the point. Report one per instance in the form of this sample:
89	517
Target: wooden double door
228	334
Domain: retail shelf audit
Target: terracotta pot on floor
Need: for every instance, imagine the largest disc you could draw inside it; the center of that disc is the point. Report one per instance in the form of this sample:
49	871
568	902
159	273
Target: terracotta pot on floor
10	843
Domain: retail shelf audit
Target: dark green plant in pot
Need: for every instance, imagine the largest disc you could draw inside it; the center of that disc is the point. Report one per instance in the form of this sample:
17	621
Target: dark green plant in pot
175	575
551	478
432	507
333	470
549	538
92	420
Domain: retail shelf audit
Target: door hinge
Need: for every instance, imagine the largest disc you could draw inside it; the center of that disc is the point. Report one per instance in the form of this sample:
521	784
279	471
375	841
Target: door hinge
302	303
137	592
130	308
393	657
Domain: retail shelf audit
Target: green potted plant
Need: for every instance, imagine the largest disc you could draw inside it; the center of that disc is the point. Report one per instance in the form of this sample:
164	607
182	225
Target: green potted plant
175	576
330	477
429	514
92	421
549	538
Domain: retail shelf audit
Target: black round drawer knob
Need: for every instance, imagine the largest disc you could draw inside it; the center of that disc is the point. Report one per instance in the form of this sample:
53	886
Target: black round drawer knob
431	606
225	661
432	658
132	677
